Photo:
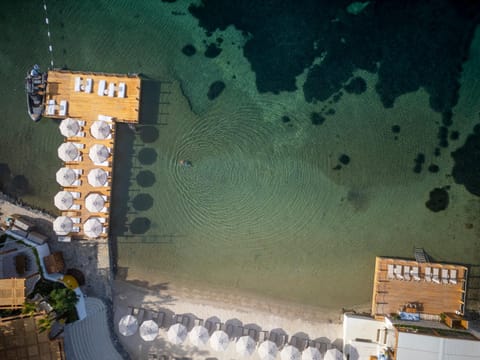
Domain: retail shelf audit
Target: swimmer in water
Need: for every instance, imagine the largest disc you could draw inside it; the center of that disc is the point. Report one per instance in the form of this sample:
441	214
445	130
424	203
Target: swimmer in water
185	163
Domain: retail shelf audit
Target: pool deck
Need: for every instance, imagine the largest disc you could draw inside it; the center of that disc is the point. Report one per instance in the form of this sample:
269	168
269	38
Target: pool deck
88	97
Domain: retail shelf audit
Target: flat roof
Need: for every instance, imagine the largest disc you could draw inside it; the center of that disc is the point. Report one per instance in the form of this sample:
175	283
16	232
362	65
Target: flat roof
390	295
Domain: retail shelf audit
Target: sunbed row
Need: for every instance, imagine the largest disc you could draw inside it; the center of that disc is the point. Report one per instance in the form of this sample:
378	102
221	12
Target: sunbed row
102	90
51	108
405	272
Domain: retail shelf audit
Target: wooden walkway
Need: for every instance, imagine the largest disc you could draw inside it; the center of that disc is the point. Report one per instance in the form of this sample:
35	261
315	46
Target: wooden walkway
426	293
90	97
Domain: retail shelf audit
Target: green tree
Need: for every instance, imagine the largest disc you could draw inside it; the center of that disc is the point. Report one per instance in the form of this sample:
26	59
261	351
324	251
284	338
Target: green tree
63	301
29	308
45	323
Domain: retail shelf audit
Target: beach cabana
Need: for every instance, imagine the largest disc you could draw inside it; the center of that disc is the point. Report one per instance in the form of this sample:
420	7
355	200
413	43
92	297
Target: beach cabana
267	350
69	127
333	354
198	336
63	200
245	346
66	176
219	340
177	333
100	130
99	153
68	152
94	202
311	353
62	225
128	325
92	228
97	177
148	330
290	352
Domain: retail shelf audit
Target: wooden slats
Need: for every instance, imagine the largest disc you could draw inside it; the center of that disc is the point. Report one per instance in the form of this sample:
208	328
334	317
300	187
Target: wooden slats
12	293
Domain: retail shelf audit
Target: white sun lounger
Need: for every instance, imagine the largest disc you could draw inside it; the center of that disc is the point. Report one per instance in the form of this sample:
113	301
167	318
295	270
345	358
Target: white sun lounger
75	194
101	87
121	90
77	183
390	274
63	108
78	83
105	118
436	277
75	220
75	207
453	276
444	276
414	273
50	110
79	145
78	171
398	272
428	274
89	85
111	89
406	272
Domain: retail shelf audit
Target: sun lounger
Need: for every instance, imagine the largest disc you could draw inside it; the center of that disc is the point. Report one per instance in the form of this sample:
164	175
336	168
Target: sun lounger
444	276
75	220
80	134
428	274
50	110
262	336
78	171
81	122
63	108
390	274
406	273
111	89
435	276
414	273
101	87
78	83
79	145
89	85
198	322
453	276
105	118
398	272
75	207
75	229
77	183
64	239
75	194
121	90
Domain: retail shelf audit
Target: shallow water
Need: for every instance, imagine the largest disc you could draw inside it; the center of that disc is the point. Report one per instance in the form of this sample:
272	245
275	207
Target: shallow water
262	209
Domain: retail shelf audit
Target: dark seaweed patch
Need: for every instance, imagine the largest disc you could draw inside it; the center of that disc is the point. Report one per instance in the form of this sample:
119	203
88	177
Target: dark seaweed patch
317	118
212	51
356	86
438	200
215	89
189	50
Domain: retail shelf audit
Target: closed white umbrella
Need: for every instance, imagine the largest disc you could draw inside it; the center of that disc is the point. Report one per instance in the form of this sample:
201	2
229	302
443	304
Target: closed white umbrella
177	333
92	228
97	177
128	325
68	152
290	352
99	153
333	354
69	127
219	340
63	200
267	350
62	225
100	129
311	353
149	330
66	176
94	202
198	336
245	346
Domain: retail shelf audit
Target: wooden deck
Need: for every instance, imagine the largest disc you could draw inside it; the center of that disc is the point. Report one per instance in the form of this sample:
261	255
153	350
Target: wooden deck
391	295
87	107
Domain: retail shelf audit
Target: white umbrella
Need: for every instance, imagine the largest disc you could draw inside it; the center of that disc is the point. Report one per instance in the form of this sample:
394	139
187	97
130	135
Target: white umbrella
100	129
62	225
66	176
290	352
311	353
333	354
68	152
63	200
99	153
92	228
245	346
148	330
267	350
219	340
128	325
97	177
94	202
69	127
177	333
198	336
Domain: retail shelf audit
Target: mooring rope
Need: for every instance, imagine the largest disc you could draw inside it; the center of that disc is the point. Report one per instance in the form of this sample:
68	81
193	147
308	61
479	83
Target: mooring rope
50	47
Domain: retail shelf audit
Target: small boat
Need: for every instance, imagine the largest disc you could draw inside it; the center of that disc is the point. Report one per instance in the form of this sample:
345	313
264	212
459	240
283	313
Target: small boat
35	83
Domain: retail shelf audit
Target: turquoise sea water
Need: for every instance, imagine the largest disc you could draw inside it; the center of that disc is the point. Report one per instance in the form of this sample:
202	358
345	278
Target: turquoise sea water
263	209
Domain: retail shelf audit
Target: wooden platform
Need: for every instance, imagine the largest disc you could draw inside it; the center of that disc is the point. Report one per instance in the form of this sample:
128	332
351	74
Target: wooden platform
391	295
12	293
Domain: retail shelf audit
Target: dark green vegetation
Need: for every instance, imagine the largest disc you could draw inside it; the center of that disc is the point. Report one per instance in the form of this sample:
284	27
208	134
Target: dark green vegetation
215	89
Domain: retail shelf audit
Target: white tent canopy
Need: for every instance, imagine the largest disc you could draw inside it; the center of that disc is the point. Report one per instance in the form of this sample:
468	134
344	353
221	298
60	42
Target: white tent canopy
198	336
245	346
66	176
290	352
128	325
62	225
99	153
69	127
100	129
219	340
148	330
177	333
68	152
63	200
92	228
97	177
94	202
311	353
267	350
